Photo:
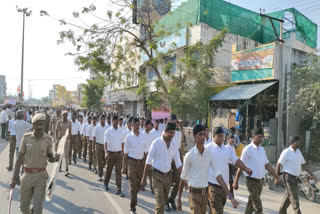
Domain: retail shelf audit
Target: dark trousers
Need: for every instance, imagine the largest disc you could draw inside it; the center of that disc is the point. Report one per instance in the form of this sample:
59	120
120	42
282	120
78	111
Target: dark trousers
74	140
135	168
13	142
291	196
231	177
255	187
101	160
217	199
114	159
3	130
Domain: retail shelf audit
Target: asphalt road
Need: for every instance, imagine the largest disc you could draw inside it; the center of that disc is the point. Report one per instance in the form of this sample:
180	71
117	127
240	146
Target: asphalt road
82	193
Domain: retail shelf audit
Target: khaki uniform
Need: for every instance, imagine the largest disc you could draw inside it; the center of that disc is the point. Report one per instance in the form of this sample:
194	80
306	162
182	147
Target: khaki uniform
47	124
13	142
198	200
53	124
74	147
114	159
34	179
255	187
85	147
161	186
61	129
217	199
135	171
100	154
291	196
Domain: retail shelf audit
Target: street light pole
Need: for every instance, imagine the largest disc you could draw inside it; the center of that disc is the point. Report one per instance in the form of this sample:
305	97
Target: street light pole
25	13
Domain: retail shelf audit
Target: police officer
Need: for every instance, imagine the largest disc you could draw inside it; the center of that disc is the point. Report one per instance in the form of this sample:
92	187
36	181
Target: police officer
53	124
292	161
35	149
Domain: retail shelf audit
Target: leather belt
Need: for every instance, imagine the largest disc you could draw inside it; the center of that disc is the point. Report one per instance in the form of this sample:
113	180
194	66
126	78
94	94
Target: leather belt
214	185
162	173
138	160
285	173
202	191
255	179
33	170
114	152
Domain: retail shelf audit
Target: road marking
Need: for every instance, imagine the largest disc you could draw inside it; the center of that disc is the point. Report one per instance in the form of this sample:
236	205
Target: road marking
114	203
240	198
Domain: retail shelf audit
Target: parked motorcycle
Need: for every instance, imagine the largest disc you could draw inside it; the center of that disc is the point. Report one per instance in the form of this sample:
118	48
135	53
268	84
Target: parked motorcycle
307	186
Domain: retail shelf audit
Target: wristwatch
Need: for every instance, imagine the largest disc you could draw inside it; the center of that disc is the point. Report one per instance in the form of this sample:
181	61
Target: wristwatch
230	196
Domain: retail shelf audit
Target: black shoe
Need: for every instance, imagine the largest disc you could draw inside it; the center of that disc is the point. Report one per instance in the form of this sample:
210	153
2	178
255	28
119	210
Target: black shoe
143	189
100	178
74	160
168	208
173	204
9	168
106	187
70	163
89	166
120	194
67	173
152	191
133	211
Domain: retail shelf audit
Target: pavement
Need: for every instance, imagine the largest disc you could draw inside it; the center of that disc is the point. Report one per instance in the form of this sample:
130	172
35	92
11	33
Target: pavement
82	193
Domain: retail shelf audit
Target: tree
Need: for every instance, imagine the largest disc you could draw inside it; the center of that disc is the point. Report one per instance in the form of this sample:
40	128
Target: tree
306	86
93	92
113	45
46	101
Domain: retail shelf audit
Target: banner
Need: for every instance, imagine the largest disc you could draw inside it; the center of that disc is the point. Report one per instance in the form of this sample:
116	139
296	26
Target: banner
256	58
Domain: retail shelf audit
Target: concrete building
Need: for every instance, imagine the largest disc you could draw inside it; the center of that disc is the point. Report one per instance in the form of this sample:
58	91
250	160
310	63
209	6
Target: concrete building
3	86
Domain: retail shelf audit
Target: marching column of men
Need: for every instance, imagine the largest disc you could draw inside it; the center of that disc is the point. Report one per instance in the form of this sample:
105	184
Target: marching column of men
140	151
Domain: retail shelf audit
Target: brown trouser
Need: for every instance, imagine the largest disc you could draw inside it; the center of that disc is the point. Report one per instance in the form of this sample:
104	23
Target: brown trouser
74	145
198	200
255	187
13	142
85	148
100	158
175	180
90	151
161	187
291	196
94	156
114	159
231	177
33	188
80	146
135	168
217	199
125	166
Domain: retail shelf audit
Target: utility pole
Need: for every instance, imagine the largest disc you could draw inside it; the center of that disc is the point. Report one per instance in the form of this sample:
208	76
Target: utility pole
25	13
282	76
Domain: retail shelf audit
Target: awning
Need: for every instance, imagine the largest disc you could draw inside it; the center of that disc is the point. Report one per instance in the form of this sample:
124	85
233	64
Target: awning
241	92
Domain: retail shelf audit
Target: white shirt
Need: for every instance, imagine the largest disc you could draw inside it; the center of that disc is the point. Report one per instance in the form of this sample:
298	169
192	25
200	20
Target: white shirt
208	141
98	132
162	127
148	138
21	127
75	127
232	149
90	131
112	137
221	156
255	158
9	113
141	129
177	138
134	146
4	116
156	133
69	115
160	157
291	161
10	128
84	129
196	167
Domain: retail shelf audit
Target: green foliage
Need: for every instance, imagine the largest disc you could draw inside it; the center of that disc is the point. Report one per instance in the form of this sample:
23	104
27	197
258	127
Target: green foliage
93	92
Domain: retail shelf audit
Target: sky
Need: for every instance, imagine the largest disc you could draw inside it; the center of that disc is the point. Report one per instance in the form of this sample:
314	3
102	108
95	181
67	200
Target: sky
45	61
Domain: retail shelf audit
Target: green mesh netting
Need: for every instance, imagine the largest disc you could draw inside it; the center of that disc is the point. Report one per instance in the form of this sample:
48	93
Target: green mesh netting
240	21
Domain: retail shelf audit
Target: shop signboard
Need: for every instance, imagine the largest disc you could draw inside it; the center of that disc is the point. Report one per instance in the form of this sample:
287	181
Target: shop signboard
253	64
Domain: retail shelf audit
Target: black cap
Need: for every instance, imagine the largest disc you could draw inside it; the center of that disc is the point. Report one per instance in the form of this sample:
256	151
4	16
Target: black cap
173	117
135	120
198	128
217	130
293	139
170	126
115	117
157	121
148	122
130	119
230	136
257	131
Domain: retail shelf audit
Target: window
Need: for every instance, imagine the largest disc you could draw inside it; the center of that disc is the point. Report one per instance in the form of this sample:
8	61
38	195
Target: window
151	74
173	61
